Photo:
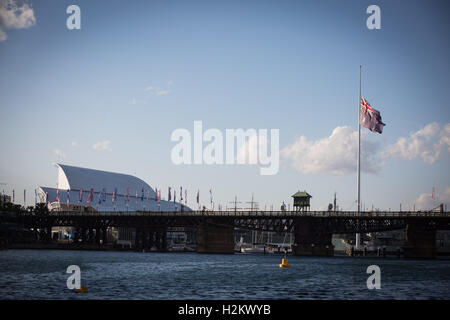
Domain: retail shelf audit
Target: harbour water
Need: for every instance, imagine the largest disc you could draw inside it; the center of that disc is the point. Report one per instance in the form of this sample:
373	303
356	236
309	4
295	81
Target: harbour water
41	274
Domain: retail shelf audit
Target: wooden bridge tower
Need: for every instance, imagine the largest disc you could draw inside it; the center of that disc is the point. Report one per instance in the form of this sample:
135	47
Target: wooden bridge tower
301	201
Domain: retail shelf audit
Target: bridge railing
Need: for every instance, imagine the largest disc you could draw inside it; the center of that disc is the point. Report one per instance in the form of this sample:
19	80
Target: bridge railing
256	214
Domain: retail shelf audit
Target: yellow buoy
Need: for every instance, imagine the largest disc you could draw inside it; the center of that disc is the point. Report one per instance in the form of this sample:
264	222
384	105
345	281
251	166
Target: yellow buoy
82	289
284	263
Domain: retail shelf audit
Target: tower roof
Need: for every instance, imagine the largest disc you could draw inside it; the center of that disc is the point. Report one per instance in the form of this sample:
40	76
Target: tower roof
302	194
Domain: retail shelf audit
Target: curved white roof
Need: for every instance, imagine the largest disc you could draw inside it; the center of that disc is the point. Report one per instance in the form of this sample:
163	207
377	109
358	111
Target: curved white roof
76	178
133	194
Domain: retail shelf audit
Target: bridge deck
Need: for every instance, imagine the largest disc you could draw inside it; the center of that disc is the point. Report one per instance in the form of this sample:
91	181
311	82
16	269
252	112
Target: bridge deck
260	214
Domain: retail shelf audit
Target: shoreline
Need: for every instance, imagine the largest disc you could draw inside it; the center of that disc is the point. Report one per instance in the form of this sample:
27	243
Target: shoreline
91	247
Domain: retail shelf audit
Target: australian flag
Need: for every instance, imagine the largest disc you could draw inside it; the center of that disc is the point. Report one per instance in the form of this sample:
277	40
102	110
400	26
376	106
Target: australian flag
370	118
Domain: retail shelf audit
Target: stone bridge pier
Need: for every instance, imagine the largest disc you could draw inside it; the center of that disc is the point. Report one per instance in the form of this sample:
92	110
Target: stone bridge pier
312	238
420	242
147	238
215	237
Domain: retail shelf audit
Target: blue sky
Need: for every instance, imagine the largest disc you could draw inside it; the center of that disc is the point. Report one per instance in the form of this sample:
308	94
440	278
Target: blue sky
289	65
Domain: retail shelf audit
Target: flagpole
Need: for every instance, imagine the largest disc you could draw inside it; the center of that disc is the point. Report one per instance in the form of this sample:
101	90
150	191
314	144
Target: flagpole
358	204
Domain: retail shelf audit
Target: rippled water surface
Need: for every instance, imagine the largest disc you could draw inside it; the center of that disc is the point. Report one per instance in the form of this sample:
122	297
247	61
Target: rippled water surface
41	274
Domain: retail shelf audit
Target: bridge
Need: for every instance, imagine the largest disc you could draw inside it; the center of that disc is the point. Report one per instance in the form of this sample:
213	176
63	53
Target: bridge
312	230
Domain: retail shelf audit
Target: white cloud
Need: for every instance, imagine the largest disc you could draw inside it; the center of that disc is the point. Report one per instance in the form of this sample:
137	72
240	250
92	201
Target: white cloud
336	154
74	144
248	151
15	15
426	143
102	146
160	91
133	101
425	202
59	154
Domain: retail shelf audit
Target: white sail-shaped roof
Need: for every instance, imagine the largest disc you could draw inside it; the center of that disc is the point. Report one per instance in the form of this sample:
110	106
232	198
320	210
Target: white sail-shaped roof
110	191
76	178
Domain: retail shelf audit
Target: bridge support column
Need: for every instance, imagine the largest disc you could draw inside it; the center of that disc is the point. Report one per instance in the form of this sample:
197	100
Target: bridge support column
164	240
419	243
97	236
105	235
215	238
159	241
91	238
145	234
138	239
48	234
83	235
151	242
311	238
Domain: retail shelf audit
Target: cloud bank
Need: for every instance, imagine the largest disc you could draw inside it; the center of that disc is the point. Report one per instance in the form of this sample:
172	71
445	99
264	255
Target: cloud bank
425	202
426	144
336	154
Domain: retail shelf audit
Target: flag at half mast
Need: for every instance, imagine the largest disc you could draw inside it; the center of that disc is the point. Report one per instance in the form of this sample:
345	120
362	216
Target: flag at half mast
370	118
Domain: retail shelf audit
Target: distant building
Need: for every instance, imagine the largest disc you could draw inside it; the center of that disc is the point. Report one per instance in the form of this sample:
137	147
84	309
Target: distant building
82	189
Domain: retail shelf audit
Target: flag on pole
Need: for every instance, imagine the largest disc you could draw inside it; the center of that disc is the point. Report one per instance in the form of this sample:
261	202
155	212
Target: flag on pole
68	196
174	195
128	194
159	196
181	194
113	198
198	196
46	197
370	118
13	196
80	196
432	193
35	197
169	197
24	197
211	197
90	197
142	195
57	195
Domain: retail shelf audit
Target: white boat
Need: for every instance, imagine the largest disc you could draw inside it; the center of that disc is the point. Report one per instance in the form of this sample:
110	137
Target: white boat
181	248
253	249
